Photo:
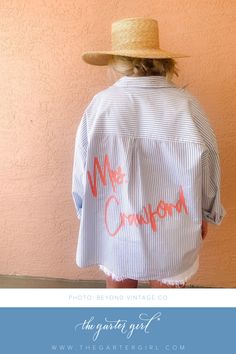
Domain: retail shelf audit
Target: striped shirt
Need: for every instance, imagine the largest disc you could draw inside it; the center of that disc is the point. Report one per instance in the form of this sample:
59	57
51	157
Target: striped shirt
146	172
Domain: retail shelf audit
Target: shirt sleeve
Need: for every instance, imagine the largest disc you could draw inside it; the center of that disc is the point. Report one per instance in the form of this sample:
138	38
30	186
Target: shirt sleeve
212	208
79	163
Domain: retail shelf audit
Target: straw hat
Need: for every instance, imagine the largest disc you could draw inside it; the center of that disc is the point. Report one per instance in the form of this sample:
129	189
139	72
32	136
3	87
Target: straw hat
133	37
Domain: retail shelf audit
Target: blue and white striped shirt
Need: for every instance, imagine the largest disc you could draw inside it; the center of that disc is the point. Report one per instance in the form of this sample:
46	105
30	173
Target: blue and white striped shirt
146	172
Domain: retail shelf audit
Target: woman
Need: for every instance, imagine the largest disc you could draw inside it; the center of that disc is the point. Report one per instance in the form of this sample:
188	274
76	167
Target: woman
146	176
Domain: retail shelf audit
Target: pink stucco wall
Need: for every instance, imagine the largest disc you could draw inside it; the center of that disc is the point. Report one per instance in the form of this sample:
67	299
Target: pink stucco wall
45	87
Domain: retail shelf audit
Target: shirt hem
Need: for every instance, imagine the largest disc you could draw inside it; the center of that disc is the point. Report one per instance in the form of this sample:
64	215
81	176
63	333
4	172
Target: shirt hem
175	279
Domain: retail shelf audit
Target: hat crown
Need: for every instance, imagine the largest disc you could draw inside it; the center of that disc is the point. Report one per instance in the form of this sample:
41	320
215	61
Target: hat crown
135	33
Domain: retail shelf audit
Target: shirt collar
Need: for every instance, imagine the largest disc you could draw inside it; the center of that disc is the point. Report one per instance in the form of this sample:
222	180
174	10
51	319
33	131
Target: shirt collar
144	81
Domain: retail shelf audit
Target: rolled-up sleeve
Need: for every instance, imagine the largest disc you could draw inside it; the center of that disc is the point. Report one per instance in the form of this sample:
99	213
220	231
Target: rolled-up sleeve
79	163
212	208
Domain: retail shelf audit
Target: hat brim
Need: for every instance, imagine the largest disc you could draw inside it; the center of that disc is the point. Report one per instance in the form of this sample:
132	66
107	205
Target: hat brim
102	57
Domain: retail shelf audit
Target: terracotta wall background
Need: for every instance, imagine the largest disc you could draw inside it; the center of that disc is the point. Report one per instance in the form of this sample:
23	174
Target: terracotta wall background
45	86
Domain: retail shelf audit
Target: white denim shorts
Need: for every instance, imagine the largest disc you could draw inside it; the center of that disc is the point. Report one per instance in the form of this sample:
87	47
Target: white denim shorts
179	279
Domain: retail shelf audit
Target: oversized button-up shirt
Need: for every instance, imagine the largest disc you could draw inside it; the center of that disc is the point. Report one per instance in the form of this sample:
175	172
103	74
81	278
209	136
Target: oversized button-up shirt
146	172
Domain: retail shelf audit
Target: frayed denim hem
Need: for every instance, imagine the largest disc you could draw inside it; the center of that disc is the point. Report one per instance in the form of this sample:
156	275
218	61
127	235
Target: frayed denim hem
178	280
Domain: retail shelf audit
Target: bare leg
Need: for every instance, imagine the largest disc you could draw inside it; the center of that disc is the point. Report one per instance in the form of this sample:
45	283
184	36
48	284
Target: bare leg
158	284
126	283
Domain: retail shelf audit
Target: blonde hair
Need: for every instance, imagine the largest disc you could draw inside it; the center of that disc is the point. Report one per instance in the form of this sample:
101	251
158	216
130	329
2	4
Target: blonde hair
129	66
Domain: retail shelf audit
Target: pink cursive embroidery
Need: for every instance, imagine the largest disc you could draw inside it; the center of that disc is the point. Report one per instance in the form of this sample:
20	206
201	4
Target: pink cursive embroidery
116	177
162	210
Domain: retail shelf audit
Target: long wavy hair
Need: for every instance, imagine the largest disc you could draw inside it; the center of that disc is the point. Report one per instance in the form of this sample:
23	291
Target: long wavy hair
128	66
